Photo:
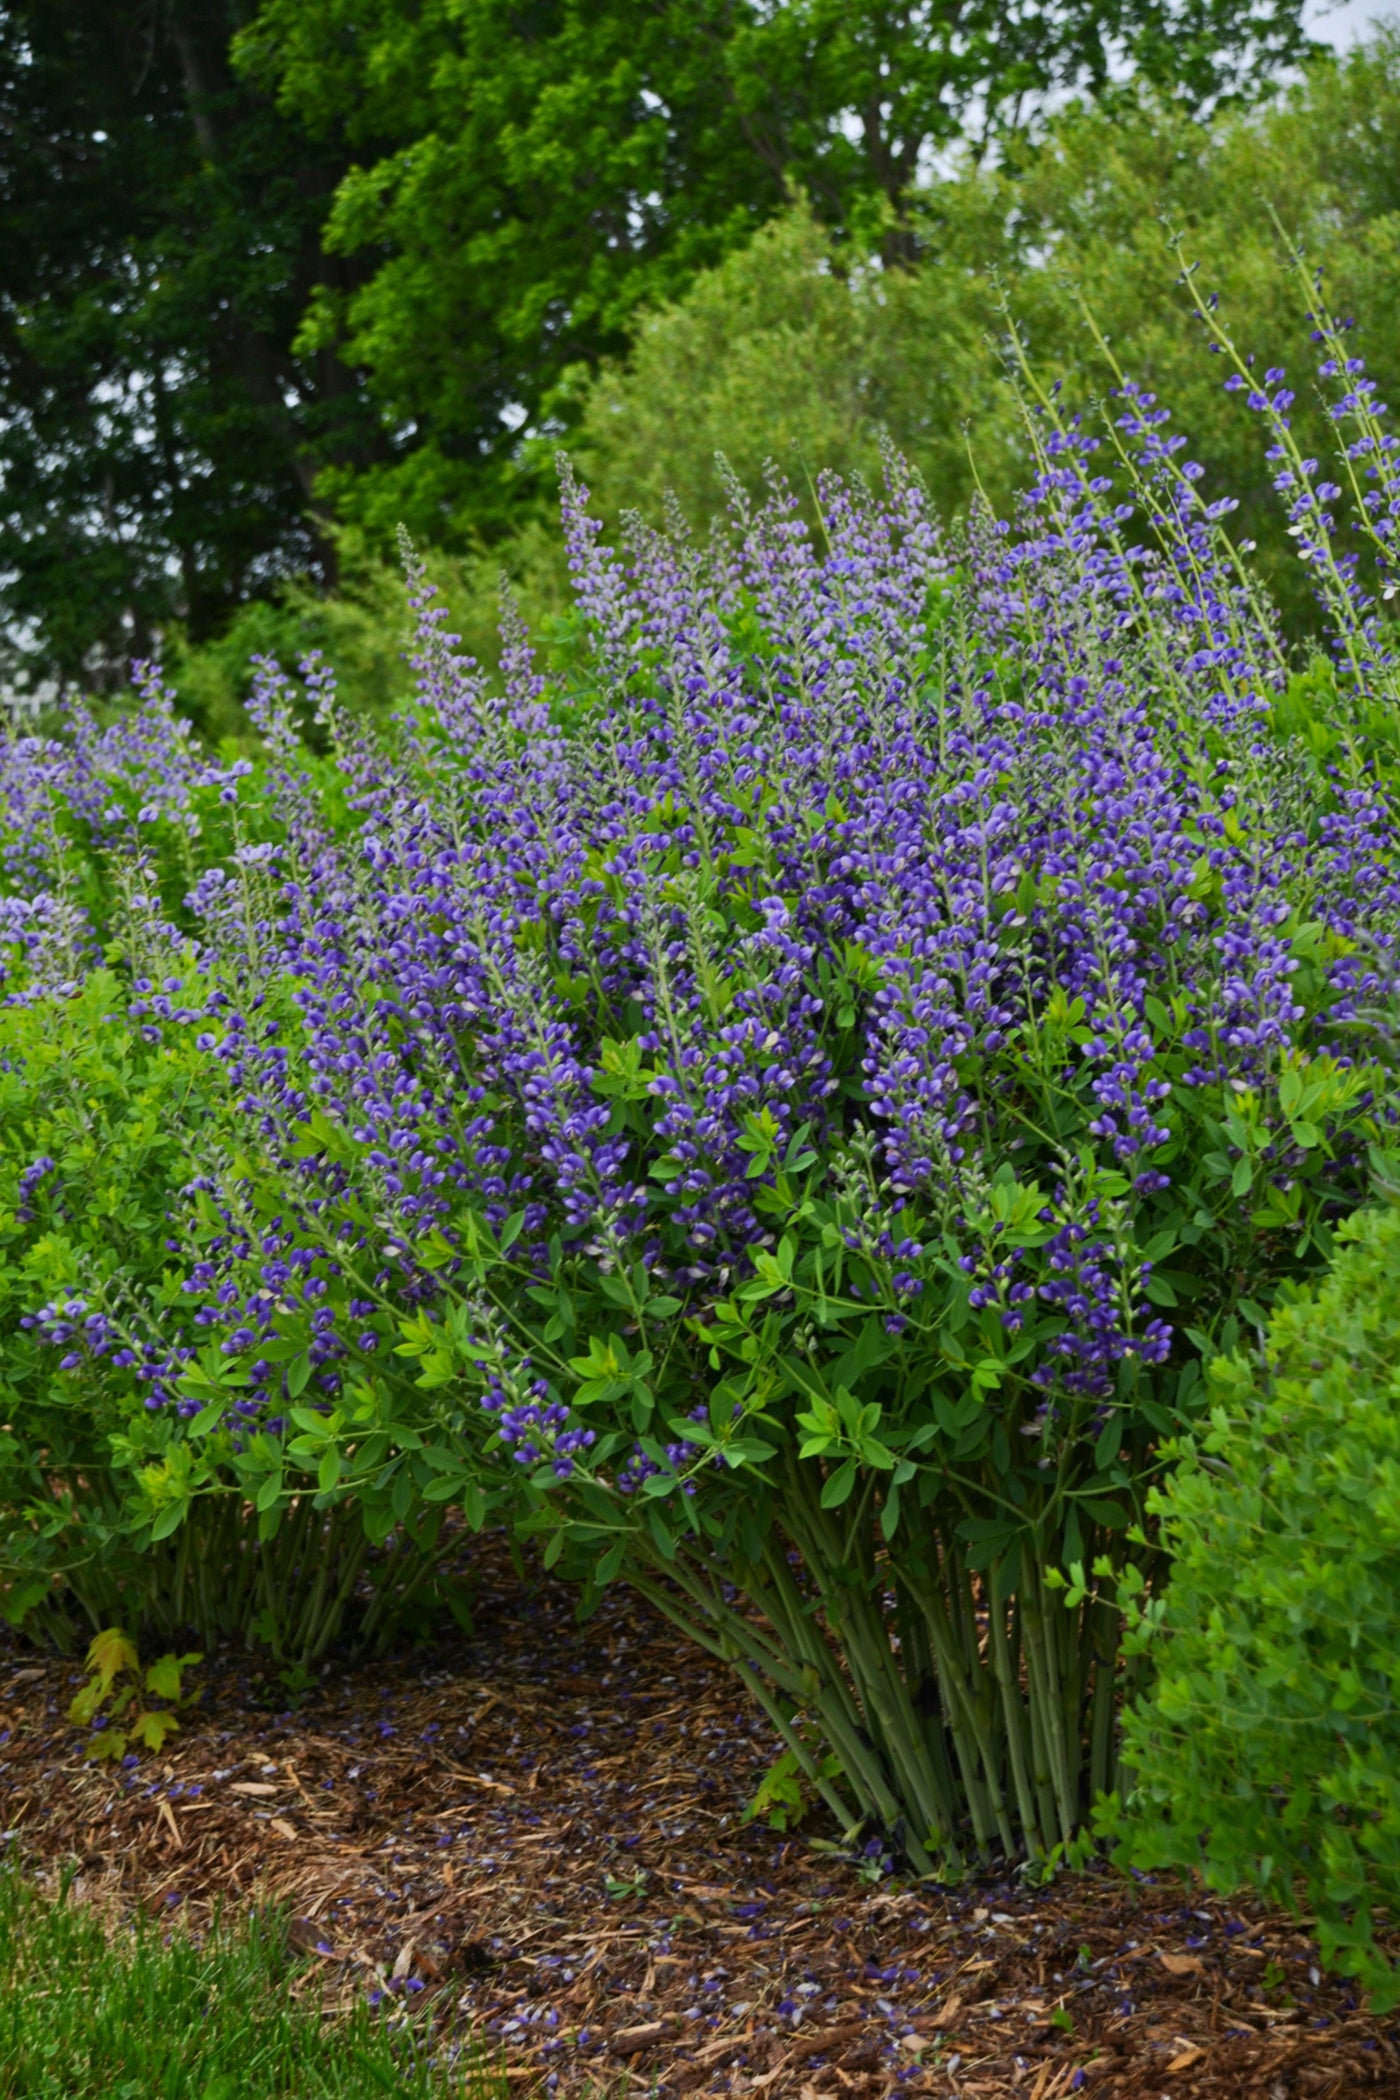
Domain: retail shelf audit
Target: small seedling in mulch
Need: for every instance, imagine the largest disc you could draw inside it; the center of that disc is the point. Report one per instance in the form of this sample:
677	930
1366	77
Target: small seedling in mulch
130	1718
618	1890
297	1685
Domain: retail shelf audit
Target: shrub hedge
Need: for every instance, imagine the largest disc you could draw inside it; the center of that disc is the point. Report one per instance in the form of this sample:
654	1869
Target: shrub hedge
1266	1753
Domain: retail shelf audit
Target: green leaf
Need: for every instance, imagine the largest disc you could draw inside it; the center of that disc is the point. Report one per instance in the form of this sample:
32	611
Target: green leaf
1100	1510
954	1416
474	1505
837	1488
656	1524
1110	1440
748	1451
441	1459
164	1675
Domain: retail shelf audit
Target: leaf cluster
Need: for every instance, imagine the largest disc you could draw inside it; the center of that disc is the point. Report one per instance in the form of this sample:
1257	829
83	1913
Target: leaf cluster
1264	1753
117	1710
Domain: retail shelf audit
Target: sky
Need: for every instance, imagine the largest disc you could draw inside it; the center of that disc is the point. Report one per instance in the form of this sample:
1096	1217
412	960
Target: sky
1342	25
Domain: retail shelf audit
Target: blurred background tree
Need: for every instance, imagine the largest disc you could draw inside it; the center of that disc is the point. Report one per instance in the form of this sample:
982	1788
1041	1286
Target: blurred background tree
280	277
804	349
159	241
528	177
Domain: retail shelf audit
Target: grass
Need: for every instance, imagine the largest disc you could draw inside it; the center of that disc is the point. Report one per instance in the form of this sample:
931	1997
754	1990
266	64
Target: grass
144	2013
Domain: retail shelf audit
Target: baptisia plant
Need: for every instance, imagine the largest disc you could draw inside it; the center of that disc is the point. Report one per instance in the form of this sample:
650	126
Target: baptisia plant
115	1120
780	1106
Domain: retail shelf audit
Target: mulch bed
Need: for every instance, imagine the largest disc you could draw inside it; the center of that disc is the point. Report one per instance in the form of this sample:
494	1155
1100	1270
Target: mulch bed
538	1831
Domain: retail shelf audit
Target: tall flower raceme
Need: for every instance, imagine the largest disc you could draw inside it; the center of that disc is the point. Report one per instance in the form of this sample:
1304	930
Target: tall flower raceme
1366	456
780	1105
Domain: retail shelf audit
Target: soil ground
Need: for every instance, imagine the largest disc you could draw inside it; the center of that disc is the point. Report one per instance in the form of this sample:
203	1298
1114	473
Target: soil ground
537	1834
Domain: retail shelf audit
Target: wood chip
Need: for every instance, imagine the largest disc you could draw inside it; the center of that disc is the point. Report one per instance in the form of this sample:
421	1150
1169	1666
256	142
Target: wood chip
496	1786
1182	1964
823	2043
715	2052
630	2041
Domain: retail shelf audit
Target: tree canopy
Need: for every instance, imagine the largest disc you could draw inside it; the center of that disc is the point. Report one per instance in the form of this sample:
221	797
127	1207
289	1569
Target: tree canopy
528	173
799	350
159	241
268	271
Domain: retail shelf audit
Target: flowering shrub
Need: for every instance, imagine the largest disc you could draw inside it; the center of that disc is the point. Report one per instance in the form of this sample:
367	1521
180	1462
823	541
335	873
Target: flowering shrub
107	1511
113	1117
1264	1753
95	1136
780	1107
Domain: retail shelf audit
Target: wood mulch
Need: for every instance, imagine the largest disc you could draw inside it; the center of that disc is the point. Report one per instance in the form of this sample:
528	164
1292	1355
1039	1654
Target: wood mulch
536	1836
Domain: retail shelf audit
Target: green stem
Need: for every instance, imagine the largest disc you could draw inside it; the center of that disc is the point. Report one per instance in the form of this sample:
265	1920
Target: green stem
970	1711
752	1674
1103	1622
1057	1798
1004	1653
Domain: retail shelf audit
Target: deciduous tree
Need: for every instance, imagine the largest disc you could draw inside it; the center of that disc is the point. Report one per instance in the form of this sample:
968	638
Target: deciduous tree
529	172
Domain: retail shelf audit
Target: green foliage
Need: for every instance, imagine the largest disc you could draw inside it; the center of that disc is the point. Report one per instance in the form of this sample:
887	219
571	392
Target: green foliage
785	1796
115	1116
111	1657
1266	1752
109	1512
807	350
102	2010
840	1471
838	1466
584	161
347	252
362	629
158	436
804	350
